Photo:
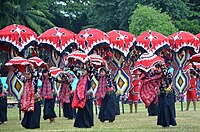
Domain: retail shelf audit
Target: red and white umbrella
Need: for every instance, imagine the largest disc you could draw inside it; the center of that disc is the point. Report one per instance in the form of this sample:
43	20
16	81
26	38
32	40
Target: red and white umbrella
37	62
189	66
195	58
152	41
96	59
77	55
17	36
18	62
91	38
147	61
197	41
55	71
58	38
183	39
121	41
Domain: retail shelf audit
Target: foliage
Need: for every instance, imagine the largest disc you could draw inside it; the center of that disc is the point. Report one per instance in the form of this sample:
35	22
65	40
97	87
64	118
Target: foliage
148	18
105	15
188	25
70	14
33	14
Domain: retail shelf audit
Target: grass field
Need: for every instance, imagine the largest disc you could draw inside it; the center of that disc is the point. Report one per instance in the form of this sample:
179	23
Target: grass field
186	120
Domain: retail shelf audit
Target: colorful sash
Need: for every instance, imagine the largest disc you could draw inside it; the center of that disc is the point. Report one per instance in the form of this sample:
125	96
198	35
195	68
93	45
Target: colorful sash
46	90
149	89
28	97
79	98
64	93
101	90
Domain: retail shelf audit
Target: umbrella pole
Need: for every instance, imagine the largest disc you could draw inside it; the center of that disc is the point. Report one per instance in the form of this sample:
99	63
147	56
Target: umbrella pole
123	105
19	106
96	107
59	109
181	103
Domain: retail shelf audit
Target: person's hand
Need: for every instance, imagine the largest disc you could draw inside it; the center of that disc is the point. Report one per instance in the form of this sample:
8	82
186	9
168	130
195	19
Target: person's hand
53	90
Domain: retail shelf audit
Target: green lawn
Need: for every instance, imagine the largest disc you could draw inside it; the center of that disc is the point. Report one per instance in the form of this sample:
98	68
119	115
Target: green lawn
186	120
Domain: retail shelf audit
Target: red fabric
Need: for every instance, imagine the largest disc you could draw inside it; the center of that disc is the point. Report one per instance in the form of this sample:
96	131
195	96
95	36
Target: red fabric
193	82
191	95
195	58
34	53
101	90
136	86
64	93
182	39
99	101
109	89
46	90
149	89
59	38
1	94
133	98
156	39
79	98
133	92
147	60
93	37
191	92
28	97
121	40
12	33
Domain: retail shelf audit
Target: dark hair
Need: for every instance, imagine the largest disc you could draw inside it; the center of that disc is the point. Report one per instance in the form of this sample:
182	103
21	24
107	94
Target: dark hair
85	68
102	69
44	71
192	71
95	50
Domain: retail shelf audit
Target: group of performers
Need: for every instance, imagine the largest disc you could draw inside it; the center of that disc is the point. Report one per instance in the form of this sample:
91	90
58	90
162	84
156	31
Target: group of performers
155	89
156	92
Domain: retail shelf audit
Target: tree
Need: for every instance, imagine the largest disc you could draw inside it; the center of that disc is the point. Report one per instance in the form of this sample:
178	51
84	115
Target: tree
33	14
148	18
176	9
184	13
188	25
70	14
102	15
109	15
